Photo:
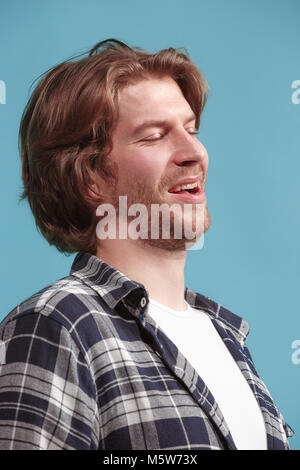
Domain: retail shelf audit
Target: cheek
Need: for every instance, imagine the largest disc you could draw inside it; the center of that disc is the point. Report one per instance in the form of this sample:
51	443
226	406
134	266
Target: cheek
146	164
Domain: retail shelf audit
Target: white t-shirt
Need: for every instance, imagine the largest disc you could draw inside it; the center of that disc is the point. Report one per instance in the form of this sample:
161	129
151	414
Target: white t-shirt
195	336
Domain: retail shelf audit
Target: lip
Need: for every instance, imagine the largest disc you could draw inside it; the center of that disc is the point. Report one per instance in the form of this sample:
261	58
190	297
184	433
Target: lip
192	198
197	198
194	179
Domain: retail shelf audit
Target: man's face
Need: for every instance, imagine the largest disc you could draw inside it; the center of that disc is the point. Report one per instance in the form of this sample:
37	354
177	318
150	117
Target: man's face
154	158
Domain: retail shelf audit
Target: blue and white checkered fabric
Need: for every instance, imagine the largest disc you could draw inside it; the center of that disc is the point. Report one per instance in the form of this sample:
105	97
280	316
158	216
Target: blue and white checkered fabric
86	367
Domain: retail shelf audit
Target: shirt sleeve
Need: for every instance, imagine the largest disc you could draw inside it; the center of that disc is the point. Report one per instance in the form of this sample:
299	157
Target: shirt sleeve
47	392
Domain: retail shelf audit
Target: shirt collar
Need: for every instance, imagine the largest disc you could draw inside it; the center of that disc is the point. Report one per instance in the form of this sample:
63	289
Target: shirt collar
114	286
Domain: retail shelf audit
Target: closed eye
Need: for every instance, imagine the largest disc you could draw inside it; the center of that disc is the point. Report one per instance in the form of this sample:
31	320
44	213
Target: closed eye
160	136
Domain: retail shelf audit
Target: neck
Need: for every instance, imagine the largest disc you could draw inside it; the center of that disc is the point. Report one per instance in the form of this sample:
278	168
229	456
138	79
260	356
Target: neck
160	271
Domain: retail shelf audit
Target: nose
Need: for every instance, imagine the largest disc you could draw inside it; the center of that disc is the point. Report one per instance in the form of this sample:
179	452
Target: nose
190	152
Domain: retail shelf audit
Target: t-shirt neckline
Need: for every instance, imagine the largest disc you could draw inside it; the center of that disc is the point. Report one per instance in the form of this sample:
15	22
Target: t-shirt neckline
171	310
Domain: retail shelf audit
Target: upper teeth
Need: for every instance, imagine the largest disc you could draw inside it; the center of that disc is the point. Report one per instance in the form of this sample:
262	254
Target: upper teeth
185	186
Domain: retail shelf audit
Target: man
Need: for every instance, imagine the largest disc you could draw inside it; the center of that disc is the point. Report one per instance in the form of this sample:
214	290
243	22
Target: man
120	354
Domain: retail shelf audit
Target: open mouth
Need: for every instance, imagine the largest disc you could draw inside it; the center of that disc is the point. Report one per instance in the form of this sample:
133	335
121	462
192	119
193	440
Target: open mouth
191	188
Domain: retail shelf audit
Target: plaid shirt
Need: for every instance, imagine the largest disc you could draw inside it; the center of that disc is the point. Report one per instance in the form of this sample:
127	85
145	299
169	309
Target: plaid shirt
84	366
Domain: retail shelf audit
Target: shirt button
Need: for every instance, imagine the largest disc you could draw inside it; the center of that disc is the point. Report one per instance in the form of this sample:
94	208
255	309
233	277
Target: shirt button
143	302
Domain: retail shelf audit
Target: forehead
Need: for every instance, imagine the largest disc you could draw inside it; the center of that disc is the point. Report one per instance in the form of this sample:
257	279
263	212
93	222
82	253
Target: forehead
153	98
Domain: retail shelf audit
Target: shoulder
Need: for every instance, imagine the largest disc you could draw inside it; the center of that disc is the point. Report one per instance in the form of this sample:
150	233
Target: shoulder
64	304
236	324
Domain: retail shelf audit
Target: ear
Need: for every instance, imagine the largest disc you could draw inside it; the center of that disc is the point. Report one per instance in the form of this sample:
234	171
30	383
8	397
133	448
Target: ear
93	191
96	186
99	186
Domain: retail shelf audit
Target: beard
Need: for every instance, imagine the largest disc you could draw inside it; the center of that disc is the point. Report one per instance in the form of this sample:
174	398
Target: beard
169	235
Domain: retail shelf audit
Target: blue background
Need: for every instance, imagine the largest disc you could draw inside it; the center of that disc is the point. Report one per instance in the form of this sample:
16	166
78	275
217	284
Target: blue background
249	52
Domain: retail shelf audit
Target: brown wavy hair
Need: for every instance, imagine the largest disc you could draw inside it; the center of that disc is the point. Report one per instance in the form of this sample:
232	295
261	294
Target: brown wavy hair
66	130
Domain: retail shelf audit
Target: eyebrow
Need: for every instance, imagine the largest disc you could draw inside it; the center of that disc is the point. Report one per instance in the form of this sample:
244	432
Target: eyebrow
157	123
